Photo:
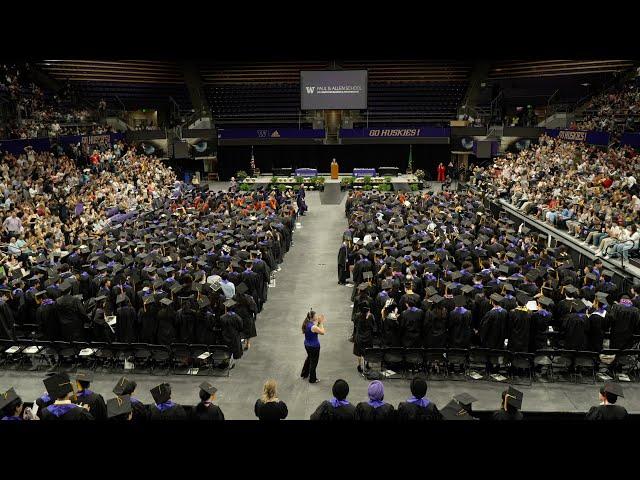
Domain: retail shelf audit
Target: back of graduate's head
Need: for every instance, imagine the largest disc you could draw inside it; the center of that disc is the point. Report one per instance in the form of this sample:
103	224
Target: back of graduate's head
608	396
13	408
269	390
340	389
506	405
204	395
418	387
83	384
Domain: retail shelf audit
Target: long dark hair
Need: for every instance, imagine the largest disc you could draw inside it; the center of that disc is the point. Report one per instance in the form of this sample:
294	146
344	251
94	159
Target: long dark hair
308	319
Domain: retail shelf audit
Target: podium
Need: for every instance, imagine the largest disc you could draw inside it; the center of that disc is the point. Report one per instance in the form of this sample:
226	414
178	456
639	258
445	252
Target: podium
334	170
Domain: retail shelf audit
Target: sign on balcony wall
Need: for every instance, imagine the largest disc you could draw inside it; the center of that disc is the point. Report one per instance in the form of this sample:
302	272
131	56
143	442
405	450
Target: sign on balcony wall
590	137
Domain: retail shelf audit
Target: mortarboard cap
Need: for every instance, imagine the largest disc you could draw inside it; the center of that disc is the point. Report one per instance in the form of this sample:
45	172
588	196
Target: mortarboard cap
367	275
84	377
545	301
207	387
7	397
119	406
460	300
242	288
166	302
614	389
230	303
436	299
465	398
58	385
467	289
570	289
121	298
204	302
453	411
496	297
161	393
123	385
523	298
514	397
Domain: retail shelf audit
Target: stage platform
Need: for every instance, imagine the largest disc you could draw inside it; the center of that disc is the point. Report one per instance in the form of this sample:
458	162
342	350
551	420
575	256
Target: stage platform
628	272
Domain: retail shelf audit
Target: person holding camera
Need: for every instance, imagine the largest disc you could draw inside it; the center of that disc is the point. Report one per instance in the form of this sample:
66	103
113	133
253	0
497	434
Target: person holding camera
312	326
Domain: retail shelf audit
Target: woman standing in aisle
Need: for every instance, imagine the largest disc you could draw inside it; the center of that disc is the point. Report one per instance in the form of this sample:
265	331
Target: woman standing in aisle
312	326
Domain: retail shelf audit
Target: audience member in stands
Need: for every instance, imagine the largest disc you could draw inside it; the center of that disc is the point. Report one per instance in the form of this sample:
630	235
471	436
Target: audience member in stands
338	408
269	407
608	410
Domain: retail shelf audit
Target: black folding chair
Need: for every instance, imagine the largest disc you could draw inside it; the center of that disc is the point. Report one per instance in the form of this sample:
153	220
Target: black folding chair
414	360
373	356
435	359
66	353
104	355
585	361
562	364
222	357
521	361
457	357
479	358
180	358
500	362
394	357
608	362
627	362
543	360
123	353
160	358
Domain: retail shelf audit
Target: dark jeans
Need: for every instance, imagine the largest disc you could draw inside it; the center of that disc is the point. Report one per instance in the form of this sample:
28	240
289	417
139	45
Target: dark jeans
310	364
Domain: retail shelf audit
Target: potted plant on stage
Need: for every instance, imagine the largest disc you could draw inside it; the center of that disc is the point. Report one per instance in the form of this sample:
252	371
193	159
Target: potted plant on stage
241	175
320	183
420	176
346	182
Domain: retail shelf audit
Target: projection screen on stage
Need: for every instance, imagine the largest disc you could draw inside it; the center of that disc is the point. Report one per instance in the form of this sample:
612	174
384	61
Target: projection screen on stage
333	90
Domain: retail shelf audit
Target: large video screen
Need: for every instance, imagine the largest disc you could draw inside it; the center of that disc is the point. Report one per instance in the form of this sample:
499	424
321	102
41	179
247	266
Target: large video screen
333	90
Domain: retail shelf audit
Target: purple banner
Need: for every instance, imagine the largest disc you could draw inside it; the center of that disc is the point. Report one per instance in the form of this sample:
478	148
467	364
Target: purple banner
268	133
631	139
590	137
17	147
395	132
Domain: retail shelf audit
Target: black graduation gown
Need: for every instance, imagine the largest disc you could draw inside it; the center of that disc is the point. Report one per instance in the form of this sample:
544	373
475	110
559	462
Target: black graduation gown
411	325
363	337
148	325
367	413
479	309
73	414
174	413
47	320
97	406
540	320
624	322
415	413
391	333
269	411
361	266
6	321
492	328
607	412
263	271
250	278
247	310
72	317
231	326
166	326
100	331
343	264
459	328
574	330
140	411
434	332
127	324
519	330
502	415
328	413
186	320
205	325
595	333
207	412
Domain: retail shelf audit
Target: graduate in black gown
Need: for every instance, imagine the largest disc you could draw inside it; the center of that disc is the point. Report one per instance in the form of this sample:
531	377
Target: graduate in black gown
608	410
493	325
363	338
166	322
510	405
247	309
148	318
6	316
411	324
231	325
60	389
71	314
624	319
343	263
85	396
459	324
337	408
127	320
164	408
206	410
127	387
12	408
375	410
417	407
269	407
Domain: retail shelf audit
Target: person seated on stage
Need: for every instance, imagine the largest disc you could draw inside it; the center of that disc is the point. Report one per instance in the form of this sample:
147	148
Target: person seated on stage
375	410
120	409
206	410
93	400
269	407
164	408
608	410
127	387
510	406
60	388
338	408
417	407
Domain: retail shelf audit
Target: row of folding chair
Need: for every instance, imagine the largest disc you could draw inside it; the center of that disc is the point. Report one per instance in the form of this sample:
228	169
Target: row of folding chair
499	365
177	358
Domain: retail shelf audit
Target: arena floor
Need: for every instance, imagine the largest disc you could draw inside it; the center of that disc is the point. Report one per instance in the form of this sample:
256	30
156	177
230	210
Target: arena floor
308	279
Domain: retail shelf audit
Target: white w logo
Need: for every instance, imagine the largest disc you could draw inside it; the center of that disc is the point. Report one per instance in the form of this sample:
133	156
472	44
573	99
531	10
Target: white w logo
310	89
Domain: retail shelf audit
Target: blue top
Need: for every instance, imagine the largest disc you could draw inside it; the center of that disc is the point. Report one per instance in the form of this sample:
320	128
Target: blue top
311	338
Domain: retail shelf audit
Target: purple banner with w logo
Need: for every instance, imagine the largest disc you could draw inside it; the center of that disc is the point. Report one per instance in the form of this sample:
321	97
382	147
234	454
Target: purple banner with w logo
268	133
